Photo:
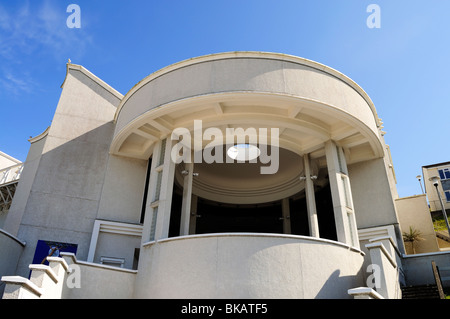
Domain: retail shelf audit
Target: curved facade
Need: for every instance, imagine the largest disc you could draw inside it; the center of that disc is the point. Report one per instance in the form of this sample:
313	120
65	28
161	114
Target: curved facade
232	175
312	102
248	266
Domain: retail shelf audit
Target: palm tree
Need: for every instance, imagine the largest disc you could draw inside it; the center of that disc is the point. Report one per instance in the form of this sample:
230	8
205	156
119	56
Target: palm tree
413	236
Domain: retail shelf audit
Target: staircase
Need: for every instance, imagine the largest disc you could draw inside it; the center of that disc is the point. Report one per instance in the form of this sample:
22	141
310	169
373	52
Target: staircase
420	292
46	282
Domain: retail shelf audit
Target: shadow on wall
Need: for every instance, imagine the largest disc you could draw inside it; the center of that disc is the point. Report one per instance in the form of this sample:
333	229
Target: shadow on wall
61	193
64	196
332	288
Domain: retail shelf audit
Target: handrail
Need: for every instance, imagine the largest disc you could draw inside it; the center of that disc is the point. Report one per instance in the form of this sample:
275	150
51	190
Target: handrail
437	278
11	173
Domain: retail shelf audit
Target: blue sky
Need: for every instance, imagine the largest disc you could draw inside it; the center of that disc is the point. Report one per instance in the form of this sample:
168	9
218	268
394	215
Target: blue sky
403	66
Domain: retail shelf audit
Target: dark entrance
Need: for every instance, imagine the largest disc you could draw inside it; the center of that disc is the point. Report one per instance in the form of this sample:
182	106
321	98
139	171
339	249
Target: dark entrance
221	218
215	217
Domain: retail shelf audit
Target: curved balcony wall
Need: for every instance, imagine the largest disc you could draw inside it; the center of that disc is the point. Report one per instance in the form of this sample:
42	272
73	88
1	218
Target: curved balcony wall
248	266
12	247
310	102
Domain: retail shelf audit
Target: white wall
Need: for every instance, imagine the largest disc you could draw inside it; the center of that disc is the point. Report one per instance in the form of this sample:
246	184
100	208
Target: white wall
249	72
413	212
372	198
117	246
7	161
123	190
98	282
63	199
418	269
247	266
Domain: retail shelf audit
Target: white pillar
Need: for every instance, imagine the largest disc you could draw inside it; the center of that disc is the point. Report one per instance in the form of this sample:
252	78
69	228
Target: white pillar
159	199
94	239
149	220
286	216
341	194
193	222
310	199
187	199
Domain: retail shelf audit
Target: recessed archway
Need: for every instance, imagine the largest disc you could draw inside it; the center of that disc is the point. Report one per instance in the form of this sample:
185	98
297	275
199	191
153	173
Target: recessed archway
323	121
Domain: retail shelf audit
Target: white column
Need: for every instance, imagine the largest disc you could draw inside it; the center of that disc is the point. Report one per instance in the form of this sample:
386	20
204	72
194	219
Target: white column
165	196
149	218
193	222
187	199
94	239
310	199
159	199
286	216
341	194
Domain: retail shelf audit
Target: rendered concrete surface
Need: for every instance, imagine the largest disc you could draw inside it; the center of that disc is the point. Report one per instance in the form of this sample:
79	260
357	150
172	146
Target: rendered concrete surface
247	266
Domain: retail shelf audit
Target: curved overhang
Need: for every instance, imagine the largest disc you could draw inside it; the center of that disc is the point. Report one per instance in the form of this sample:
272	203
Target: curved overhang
39	137
308	102
246	54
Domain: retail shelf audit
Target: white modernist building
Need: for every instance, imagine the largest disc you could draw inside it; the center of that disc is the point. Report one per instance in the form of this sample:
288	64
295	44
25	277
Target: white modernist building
232	175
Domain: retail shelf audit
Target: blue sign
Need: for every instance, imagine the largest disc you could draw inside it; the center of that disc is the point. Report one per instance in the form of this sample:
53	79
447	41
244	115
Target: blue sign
46	248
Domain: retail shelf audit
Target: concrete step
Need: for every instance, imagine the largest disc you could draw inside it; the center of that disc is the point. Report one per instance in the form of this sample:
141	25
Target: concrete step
420	292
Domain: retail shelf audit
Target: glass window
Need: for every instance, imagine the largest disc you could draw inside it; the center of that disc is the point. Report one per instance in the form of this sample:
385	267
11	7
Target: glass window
444	173
162	152
447	195
447	173
446	184
153	225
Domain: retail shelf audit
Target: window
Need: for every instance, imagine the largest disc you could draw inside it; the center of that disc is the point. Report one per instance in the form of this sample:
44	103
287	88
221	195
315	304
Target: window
444	173
112	261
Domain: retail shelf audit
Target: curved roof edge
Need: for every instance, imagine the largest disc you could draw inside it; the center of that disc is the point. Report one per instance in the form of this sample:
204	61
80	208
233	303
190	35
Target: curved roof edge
249	54
39	137
106	86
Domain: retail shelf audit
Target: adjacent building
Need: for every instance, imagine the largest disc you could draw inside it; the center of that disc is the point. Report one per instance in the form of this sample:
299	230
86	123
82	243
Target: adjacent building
441	170
10	170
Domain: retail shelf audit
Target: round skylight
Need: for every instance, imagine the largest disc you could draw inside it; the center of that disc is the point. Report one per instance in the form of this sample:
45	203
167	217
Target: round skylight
243	152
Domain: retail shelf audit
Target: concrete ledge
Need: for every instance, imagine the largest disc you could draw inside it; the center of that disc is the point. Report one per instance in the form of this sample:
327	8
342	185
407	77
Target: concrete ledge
90	264
364	293
381	238
273	235
45	269
61	261
385	252
23	282
437	253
